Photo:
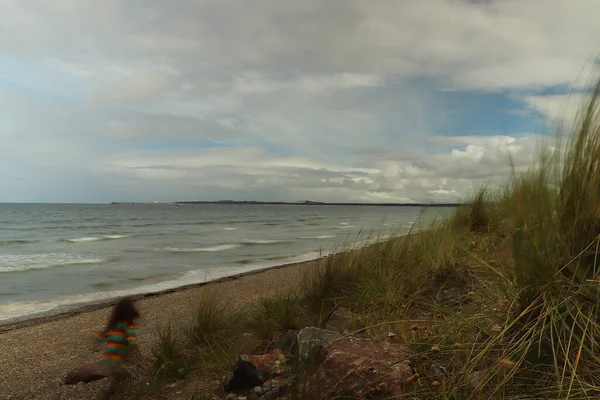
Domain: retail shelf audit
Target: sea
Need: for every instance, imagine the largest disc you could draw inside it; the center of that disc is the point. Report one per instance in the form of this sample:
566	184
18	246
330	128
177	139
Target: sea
52	256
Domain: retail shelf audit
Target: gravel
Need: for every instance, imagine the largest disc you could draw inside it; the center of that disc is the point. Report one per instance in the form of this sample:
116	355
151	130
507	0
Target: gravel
34	359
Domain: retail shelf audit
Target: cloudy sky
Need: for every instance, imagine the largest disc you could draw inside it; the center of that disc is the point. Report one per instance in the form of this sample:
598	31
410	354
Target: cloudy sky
330	100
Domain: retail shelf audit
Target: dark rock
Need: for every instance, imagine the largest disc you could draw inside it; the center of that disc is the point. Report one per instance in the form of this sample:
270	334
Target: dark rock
361	368
340	320
246	376
309	346
86	373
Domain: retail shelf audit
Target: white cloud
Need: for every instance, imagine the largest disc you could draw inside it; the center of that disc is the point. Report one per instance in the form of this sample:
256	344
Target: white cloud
141	88
332	100
449	176
560	109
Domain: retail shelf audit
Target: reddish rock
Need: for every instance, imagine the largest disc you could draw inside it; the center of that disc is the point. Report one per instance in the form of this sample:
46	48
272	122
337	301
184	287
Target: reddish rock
86	373
270	364
363	369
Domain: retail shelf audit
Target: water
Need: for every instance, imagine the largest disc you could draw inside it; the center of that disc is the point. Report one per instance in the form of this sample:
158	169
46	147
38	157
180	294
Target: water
56	255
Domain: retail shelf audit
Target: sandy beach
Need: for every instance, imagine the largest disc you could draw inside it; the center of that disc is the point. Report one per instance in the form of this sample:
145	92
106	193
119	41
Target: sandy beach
37	353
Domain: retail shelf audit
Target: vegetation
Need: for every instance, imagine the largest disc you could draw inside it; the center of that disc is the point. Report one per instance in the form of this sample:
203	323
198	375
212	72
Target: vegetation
504	294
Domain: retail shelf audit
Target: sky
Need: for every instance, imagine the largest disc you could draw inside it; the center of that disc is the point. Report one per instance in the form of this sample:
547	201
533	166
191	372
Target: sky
323	100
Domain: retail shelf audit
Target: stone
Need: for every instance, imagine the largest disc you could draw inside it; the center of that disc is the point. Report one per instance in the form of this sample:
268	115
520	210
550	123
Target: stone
246	376
253	396
309	346
231	396
285	342
271	383
340	320
362	368
268	364
274	389
435	372
258	390
86	373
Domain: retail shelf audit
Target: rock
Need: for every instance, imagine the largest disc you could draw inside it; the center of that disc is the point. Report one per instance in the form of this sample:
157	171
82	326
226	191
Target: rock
435	372
285	342
231	396
246	376
361	368
309	345
258	390
340	320
269	364
86	373
253	396
274	389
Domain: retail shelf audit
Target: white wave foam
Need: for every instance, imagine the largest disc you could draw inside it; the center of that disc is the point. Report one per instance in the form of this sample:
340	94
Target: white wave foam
48	262
344	227
261	241
83	239
24	309
230	229
220	247
95	238
344	223
116	236
317	237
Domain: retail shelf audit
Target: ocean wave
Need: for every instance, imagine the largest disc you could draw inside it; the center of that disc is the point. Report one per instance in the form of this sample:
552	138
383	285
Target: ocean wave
30	308
219	247
230	229
6	243
317	237
344	227
51	264
261	241
88	239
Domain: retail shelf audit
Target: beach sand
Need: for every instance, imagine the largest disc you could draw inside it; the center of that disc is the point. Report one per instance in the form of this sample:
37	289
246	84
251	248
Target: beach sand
35	355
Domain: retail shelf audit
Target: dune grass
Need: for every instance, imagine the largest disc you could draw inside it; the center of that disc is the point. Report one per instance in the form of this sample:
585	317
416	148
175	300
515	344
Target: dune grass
503	296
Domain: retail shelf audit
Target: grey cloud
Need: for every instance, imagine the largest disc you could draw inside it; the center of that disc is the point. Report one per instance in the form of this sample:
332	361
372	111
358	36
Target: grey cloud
348	84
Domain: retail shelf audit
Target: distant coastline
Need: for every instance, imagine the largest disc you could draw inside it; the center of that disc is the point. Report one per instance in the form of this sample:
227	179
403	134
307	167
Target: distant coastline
293	203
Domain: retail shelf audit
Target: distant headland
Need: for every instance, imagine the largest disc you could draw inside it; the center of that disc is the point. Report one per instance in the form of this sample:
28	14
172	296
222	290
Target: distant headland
293	203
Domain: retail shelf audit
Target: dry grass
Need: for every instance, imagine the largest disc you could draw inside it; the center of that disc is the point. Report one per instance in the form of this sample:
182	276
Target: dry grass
519	322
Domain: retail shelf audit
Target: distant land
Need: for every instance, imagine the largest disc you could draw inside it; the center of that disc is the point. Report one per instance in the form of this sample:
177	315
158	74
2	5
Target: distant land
296	203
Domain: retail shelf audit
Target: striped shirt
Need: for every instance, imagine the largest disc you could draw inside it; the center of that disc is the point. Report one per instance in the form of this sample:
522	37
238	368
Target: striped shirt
120	339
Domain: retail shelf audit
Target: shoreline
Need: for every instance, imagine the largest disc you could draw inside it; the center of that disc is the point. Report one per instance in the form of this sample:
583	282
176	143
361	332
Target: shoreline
67	311
36	370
